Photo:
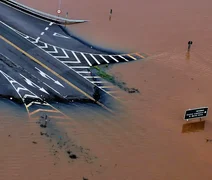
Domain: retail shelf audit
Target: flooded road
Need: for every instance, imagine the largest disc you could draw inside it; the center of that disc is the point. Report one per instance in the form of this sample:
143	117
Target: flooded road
146	140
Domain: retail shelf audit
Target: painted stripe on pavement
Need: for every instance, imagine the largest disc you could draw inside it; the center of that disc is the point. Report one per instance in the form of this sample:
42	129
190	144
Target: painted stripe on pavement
123	58
104	59
80	67
139	55
86	59
131	57
95	59
113	58
92	77
75	56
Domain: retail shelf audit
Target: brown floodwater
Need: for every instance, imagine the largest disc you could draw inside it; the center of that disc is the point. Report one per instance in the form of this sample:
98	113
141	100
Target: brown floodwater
146	140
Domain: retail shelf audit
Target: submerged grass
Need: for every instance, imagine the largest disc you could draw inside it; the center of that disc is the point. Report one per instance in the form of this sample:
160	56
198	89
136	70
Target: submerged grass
100	71
104	75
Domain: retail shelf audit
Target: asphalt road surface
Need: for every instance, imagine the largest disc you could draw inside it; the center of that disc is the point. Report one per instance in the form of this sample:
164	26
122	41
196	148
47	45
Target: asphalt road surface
42	62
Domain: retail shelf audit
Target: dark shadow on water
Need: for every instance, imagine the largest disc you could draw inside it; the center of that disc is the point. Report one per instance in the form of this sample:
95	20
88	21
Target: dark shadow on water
188	55
193	127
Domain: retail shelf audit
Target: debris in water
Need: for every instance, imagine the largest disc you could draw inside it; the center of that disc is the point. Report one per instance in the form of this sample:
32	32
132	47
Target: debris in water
73	156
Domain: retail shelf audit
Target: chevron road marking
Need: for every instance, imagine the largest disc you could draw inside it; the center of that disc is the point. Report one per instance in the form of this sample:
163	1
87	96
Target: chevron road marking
25	93
56	74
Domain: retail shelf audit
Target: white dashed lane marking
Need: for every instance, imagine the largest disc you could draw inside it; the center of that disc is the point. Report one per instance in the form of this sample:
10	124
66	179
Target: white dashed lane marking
42	33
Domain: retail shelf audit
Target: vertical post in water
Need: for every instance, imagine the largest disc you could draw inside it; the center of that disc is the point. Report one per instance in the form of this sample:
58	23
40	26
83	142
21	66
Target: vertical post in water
189	45
59	5
66	17
111	12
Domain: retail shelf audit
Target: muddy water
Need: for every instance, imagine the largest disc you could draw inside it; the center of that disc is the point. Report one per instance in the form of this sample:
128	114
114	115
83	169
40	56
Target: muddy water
146	142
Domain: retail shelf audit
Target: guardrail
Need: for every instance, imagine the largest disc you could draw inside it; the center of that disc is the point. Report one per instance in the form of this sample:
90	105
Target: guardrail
40	14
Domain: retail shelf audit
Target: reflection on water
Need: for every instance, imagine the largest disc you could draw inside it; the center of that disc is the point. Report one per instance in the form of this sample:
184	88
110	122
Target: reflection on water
188	55
110	18
193	126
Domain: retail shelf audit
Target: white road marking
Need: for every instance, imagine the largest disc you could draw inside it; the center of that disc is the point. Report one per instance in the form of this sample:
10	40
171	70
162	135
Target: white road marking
42	33
66	62
46	29
89	77
51	23
36	41
113	58
104	59
61	36
4	55
29	82
48	77
45	46
82	72
76	56
100	82
123	58
53	52
20	88
86	59
51	88
30	96
95	59
66	55
80	67
23	35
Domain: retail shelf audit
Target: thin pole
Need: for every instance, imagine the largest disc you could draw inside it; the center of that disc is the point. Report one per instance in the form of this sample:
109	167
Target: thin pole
59	5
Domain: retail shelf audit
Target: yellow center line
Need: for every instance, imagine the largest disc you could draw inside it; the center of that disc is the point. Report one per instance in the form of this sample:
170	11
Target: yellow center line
53	72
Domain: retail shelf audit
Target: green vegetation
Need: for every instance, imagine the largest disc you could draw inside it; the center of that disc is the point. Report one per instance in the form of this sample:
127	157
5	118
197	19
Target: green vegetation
104	75
122	85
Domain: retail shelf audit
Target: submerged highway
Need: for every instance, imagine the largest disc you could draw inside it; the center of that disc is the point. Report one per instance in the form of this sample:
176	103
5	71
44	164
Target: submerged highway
42	62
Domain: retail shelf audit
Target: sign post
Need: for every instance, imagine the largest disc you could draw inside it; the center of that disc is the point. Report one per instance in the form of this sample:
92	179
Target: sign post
196	113
58	12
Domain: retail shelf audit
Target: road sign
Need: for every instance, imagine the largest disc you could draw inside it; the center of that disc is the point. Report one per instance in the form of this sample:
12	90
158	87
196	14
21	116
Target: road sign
196	113
58	11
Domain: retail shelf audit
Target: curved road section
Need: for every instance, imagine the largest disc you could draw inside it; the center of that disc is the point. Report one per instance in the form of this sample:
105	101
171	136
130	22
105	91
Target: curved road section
40	14
41	62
